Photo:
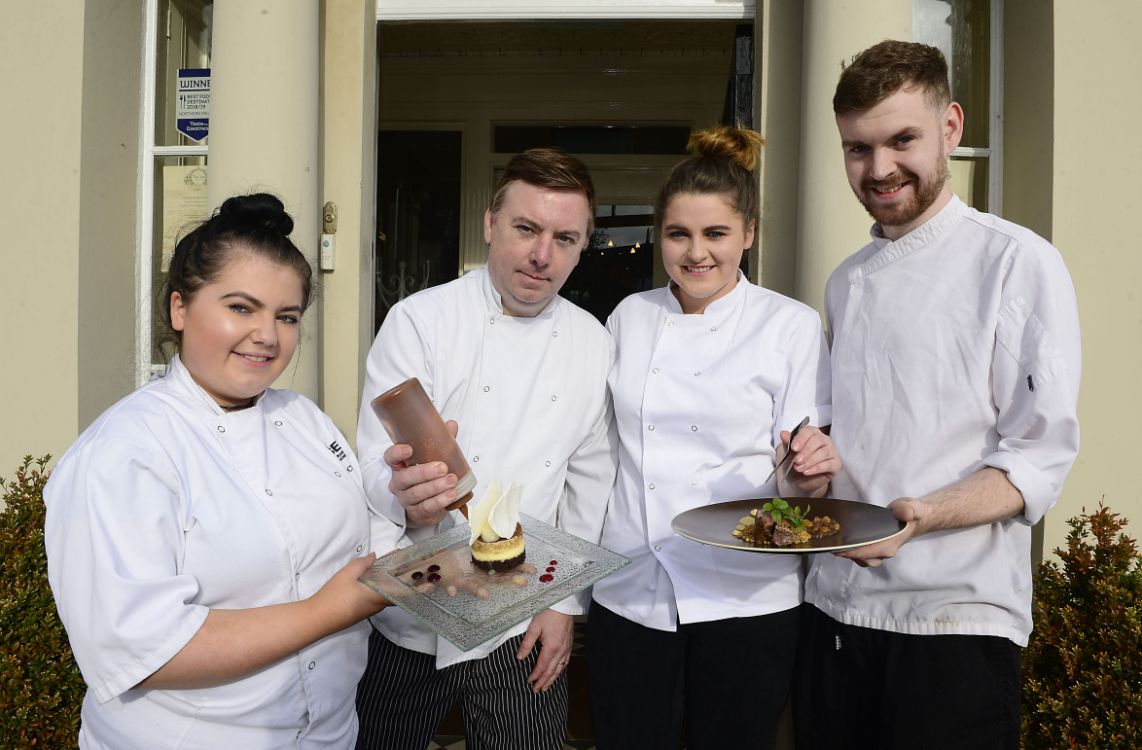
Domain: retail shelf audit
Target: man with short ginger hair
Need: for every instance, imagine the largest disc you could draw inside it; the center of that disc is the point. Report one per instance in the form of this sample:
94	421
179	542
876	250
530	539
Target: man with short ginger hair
956	361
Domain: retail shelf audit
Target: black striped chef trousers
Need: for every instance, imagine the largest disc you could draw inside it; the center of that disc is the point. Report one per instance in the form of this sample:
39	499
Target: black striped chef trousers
403	697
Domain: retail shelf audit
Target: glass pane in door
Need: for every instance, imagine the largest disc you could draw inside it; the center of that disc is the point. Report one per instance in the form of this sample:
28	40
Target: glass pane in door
418	213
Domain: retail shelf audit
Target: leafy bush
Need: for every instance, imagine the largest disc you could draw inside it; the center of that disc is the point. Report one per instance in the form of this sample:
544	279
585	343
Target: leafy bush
1082	670
40	687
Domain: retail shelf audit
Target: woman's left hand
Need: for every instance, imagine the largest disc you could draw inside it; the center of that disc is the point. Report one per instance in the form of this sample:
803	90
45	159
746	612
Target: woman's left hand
812	466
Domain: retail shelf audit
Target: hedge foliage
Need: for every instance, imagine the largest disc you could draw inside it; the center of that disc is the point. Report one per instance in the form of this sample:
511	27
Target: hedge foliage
1082	670
40	687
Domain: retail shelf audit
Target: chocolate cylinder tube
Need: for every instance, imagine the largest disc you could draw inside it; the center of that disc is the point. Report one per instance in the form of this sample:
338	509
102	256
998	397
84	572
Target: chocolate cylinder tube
409	418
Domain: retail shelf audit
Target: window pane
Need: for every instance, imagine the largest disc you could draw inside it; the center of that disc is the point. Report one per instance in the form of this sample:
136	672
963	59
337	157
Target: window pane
180	205
418	213
961	30
618	261
184	42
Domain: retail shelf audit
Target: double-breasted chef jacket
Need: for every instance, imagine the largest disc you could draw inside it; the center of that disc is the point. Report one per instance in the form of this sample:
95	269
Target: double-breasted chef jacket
700	402
530	398
955	347
167	507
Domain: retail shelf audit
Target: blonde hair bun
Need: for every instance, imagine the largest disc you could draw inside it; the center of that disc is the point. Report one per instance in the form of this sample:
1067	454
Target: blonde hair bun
739	145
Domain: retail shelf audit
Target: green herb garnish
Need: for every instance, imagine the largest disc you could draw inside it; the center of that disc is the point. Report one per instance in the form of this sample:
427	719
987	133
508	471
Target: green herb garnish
779	509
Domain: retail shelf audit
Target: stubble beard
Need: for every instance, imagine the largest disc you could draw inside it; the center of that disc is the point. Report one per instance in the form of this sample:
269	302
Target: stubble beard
926	190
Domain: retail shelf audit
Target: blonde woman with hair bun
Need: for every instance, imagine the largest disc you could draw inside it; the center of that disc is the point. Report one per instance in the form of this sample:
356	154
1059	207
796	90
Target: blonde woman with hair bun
712	372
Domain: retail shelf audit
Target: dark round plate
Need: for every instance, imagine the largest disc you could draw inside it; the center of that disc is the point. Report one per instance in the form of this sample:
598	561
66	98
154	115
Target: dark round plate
861	524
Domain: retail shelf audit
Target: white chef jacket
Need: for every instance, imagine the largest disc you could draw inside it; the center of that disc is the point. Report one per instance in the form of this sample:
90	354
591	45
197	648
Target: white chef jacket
700	402
530	397
167	507
955	348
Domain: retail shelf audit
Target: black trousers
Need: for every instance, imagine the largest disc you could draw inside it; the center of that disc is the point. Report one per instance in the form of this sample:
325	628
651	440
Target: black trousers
725	681
860	688
403	697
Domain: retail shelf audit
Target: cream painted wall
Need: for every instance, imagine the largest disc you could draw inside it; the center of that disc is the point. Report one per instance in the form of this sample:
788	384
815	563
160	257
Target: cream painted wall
832	225
348	109
68	219
264	131
778	79
1095	209
40	224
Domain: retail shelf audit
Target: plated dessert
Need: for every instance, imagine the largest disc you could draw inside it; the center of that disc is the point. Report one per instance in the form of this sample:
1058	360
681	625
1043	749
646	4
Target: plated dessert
496	535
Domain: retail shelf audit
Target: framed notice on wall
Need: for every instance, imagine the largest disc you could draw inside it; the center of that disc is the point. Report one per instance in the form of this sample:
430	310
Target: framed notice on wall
184	205
192	102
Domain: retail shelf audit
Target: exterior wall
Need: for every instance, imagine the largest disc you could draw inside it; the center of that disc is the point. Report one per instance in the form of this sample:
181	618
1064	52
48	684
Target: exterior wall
348	106
831	224
1094	213
264	132
778	79
68	218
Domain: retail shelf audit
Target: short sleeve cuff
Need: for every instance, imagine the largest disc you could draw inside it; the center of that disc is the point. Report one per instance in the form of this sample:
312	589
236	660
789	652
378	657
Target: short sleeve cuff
116	684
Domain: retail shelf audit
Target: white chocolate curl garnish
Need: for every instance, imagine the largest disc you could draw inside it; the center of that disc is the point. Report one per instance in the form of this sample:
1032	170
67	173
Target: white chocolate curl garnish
496	515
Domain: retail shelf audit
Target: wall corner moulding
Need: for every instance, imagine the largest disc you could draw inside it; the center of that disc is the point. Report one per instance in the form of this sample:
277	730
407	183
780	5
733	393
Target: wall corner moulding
483	10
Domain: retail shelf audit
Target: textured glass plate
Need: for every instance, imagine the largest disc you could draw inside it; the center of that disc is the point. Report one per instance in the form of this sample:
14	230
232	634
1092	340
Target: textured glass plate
861	524
469	606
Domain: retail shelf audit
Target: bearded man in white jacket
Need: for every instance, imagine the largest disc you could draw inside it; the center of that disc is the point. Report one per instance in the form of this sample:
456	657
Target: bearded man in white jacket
956	360
523	372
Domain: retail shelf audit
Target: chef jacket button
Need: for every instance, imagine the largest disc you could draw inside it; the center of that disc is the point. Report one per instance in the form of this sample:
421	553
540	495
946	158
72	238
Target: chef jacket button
336	473
277	423
492	320
348	468
547	464
475	459
312	664
699	372
655	370
487	388
658	548
650	486
693	428
650	427
670	324
694	482
554	334
360	547
269	492
297	576
221	428
554	398
713	328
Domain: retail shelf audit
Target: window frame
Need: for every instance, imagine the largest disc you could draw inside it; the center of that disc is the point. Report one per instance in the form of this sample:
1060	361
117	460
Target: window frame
149	153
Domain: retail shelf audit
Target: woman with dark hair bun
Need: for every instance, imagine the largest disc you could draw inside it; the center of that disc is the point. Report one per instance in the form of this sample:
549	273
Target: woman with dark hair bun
206	533
711	374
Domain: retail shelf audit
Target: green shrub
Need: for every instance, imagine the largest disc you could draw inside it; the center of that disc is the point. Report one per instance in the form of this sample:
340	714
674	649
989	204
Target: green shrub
1082	670
40	687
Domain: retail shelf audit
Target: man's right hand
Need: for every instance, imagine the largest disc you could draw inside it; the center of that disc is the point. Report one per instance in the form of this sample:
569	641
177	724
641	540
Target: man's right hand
423	490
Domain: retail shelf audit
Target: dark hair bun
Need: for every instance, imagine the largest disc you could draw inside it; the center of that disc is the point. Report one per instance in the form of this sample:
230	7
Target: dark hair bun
256	211
739	145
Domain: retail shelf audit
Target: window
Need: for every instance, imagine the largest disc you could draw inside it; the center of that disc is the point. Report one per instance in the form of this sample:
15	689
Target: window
172	191
968	32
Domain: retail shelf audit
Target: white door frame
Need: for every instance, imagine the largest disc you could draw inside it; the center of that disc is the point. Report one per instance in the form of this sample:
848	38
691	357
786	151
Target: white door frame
471	10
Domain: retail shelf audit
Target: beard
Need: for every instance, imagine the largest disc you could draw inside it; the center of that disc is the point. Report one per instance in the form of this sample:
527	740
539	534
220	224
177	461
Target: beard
926	189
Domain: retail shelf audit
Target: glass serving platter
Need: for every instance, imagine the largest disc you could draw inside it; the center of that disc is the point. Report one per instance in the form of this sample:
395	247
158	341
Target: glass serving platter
435	580
861	524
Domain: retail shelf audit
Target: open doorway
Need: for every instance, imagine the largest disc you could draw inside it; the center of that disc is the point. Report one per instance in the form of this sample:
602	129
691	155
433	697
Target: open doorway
621	95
